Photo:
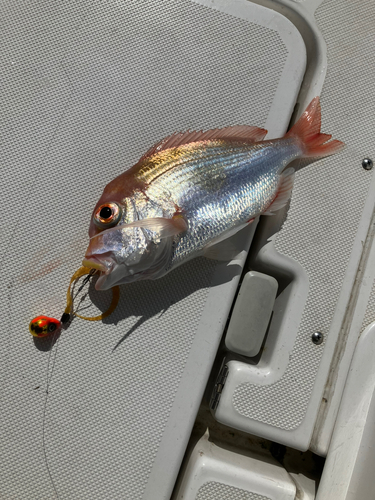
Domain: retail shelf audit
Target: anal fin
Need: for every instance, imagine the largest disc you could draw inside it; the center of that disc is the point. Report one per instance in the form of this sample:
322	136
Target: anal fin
224	250
283	193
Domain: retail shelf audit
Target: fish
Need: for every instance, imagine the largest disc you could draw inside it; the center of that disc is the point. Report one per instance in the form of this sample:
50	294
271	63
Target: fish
193	190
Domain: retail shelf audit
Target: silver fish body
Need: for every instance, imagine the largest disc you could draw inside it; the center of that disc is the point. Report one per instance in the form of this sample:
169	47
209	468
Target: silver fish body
191	191
220	189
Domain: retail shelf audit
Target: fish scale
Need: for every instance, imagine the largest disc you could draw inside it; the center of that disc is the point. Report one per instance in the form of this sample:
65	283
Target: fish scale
193	190
239	188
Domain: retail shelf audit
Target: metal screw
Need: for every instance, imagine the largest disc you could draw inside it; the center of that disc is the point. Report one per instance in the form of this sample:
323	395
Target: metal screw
317	338
367	163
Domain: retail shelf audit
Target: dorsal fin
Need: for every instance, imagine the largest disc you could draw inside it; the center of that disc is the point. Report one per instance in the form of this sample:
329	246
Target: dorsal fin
237	133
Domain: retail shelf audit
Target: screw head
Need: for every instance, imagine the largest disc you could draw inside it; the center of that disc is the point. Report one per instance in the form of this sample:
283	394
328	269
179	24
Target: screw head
367	163
317	338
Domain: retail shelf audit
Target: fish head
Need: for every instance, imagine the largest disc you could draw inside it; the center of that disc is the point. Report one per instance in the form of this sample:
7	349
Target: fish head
118	252
127	253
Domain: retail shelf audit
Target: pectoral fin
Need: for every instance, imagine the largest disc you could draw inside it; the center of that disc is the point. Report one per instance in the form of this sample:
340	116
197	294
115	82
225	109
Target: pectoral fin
161	225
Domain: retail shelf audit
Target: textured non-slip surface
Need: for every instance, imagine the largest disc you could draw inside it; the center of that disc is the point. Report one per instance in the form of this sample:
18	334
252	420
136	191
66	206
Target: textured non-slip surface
220	491
326	207
106	407
86	88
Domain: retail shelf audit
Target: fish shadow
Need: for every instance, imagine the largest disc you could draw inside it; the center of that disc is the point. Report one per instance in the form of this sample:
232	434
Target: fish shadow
148	298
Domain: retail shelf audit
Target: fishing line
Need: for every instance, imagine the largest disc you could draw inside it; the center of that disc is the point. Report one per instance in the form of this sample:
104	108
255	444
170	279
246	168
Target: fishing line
43	326
48	383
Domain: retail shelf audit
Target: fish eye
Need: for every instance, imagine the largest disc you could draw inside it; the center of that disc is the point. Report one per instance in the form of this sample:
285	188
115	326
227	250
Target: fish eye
107	215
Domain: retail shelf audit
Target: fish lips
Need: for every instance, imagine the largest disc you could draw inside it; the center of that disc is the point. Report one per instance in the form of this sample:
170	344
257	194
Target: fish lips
110	271
104	254
123	260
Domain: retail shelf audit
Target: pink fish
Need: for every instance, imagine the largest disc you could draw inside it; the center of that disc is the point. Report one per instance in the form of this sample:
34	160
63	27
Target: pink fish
193	190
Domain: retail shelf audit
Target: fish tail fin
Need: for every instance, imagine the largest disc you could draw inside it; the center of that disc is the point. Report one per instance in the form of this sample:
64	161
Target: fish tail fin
307	130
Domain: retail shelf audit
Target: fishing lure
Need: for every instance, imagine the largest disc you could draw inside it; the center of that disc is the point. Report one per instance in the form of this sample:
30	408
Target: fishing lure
42	326
193	190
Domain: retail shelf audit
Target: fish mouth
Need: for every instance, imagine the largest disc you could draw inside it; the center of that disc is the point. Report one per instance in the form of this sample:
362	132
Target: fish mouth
110	272
94	263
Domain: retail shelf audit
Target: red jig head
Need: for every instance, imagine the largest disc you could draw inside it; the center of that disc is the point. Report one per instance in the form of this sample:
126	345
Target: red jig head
41	326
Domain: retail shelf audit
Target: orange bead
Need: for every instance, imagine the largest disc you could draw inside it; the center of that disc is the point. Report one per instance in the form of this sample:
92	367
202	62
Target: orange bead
41	326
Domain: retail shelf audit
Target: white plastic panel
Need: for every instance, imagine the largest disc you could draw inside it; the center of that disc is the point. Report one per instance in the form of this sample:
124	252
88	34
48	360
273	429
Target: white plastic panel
251	314
316	255
359	315
348	473
356	95
214	472
89	86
